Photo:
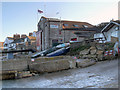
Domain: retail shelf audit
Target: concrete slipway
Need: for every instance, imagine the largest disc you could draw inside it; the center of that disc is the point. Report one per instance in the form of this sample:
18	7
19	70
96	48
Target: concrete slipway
103	74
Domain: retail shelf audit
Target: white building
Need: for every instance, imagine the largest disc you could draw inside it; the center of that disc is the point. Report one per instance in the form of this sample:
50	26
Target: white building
7	41
111	30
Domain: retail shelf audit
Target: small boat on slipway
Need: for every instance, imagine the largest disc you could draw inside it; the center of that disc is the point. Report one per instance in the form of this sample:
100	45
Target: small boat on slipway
58	50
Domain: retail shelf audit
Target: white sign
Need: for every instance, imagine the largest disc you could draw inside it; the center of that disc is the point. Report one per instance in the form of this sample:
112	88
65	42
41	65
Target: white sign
54	26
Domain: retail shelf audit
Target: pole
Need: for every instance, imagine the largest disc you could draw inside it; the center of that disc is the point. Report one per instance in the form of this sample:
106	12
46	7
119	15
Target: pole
119	40
44	10
37	19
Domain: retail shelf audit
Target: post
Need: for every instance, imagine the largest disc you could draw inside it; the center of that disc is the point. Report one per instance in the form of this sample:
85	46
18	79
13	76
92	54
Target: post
10	56
119	40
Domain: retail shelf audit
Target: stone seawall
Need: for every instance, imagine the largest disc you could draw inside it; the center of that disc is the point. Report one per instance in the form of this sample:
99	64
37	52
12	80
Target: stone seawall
15	64
14	68
11	68
51	64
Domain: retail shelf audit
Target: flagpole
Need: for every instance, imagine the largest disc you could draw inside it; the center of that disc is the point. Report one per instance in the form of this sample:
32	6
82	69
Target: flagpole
44	10
37	19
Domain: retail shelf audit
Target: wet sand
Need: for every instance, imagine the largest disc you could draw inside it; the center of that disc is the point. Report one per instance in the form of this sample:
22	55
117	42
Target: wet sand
104	74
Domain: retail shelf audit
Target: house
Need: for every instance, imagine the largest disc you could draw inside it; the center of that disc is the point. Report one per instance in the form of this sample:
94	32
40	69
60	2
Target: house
33	34
52	31
111	31
81	33
30	42
18	44
1	46
25	42
7	41
99	37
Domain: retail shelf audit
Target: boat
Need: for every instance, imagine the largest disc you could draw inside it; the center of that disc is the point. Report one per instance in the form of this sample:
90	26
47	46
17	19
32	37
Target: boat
54	51
58	52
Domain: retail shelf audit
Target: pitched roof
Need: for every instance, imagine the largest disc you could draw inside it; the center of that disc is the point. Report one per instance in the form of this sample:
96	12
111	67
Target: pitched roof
31	37
10	38
18	40
71	24
110	25
76	24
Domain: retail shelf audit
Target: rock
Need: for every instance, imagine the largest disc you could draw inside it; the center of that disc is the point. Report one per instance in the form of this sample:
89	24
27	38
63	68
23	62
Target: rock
93	43
85	52
109	57
85	62
99	52
52	65
100	46
93	50
72	64
23	74
100	57
90	56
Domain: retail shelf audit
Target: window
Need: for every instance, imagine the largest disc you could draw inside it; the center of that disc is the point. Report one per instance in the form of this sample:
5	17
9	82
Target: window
75	25
65	25
85	26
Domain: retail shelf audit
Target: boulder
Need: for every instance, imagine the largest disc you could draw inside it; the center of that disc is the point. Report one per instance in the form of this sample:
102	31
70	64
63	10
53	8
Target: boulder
90	56
84	62
100	46
100	57
99	52
93	50
85	52
52	65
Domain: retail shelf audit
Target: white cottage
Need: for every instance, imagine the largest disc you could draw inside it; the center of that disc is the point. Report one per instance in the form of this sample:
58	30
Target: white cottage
7	41
111	30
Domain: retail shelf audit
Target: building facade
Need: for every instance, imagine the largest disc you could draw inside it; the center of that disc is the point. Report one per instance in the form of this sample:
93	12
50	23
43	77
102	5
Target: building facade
112	31
53	31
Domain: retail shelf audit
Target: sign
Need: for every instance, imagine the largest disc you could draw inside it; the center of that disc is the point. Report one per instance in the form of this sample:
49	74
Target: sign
54	26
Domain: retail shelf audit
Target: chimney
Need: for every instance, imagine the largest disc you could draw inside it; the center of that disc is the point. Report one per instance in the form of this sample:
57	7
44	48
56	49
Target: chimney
23	36
16	36
30	34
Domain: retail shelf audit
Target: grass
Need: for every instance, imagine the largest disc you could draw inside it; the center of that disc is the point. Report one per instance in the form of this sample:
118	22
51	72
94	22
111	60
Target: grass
76	51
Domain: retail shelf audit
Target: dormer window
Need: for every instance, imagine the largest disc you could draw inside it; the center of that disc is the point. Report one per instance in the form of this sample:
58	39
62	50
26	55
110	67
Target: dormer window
75	25
65	25
85	26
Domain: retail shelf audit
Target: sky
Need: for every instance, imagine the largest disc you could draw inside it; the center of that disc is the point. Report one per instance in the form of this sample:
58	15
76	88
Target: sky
22	17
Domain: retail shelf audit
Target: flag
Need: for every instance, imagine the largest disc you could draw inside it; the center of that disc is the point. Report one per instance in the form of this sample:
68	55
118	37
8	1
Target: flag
40	11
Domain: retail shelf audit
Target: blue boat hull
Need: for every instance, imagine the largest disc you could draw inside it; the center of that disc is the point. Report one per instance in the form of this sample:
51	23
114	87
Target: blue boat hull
59	52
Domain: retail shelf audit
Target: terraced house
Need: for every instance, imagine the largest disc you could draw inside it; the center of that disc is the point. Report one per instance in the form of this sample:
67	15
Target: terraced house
52	31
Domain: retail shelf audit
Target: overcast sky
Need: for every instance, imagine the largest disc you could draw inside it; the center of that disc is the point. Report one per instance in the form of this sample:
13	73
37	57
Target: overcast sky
22	17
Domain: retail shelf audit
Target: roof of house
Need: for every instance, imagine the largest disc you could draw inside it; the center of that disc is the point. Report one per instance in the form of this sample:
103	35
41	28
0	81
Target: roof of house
18	40
70	24
91	29
1	44
31	37
10	38
110	25
35	31
76	24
